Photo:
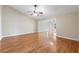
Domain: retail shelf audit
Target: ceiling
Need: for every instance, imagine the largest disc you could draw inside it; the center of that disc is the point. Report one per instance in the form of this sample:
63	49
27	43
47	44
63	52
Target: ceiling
48	10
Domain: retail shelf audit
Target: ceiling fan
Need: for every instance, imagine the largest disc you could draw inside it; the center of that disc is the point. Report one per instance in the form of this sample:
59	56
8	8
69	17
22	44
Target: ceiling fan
35	12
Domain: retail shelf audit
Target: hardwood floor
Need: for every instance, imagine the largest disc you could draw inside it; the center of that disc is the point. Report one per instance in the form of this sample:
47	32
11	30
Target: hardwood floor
67	46
38	43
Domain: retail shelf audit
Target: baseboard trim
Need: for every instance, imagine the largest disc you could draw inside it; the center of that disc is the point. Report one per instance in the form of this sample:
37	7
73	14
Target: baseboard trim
17	35
36	32
67	38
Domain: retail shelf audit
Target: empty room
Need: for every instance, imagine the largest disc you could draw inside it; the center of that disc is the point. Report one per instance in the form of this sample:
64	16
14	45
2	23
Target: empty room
39	28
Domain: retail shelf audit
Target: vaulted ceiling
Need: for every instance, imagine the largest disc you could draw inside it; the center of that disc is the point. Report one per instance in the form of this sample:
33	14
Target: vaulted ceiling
48	10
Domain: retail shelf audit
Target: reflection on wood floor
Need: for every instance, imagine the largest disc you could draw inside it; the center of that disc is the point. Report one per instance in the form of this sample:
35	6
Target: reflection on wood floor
38	43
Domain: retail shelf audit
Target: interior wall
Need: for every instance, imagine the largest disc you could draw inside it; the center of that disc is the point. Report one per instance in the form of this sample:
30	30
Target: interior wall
47	25
77	25
68	25
42	25
0	21
16	23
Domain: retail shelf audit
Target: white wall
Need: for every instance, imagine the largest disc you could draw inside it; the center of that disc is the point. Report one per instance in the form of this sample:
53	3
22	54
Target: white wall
16	23
42	25
46	25
68	25
77	25
0	21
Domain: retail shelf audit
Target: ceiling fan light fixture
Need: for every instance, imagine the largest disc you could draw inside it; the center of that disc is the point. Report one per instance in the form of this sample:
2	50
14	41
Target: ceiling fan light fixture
36	12
35	5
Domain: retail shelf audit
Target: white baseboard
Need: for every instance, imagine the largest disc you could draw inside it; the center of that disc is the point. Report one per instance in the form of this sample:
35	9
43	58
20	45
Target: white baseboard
68	38
17	34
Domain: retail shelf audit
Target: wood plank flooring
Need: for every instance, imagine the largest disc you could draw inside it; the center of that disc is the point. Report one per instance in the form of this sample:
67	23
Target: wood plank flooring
67	46
38	43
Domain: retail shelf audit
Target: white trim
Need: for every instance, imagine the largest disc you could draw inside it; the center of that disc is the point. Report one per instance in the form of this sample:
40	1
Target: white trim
68	38
17	34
